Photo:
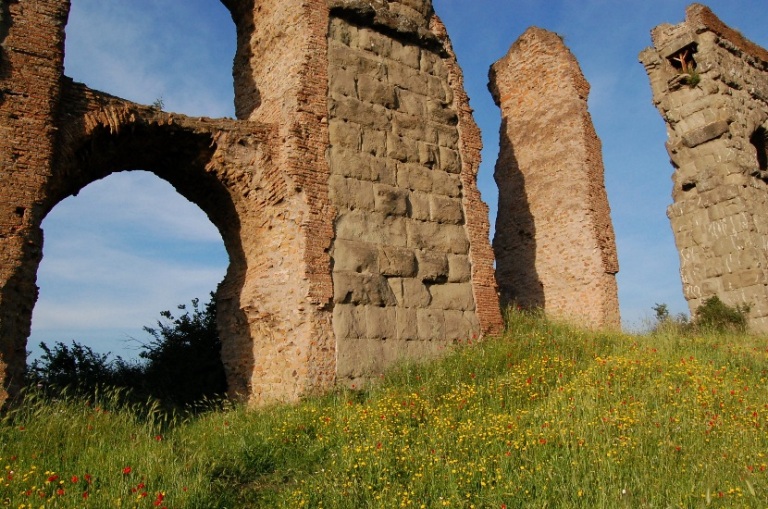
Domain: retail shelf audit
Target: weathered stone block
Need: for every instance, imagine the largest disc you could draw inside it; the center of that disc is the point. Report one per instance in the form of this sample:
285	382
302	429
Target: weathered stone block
419	205
439	112
431	324
412	103
446	238
352	256
381	322
407	324
459	269
415	177
446	184
344	85
352	193
395	261
704	134
372	227
353	164
428	154
374	142
457	296
415	294
375	42
362	289
433	266
348	321
406	54
344	134
368	116
446	210
377	92
391	201
449	160
457	327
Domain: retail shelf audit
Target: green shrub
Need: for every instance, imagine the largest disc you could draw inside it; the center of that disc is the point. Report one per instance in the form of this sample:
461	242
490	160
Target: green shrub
712	316
179	366
715	315
183	361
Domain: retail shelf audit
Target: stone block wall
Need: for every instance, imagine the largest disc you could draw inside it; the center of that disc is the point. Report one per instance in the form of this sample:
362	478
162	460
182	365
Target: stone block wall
710	85
402	266
554	242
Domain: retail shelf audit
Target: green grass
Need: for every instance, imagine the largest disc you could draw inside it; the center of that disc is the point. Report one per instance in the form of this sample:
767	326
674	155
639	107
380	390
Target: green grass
545	416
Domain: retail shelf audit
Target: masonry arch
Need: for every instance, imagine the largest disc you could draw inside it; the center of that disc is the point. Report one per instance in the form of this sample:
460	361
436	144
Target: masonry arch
181	155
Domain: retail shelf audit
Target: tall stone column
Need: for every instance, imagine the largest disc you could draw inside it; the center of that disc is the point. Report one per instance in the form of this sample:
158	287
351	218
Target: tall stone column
554	242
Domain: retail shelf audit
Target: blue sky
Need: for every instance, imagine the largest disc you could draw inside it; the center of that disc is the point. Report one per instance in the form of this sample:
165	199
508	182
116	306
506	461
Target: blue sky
128	247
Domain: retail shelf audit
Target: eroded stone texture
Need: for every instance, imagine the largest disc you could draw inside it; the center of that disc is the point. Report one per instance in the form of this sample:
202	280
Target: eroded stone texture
717	127
354	147
554	240
402	262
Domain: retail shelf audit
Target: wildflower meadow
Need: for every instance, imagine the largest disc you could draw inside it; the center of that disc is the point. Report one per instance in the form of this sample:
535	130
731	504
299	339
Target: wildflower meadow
546	415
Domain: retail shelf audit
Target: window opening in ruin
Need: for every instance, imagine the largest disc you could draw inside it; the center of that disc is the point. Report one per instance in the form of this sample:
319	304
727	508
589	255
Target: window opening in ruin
144	50
124	249
685	63
759	140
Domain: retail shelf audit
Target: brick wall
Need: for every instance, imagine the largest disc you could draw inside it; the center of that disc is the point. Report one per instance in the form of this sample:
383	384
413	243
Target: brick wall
554	241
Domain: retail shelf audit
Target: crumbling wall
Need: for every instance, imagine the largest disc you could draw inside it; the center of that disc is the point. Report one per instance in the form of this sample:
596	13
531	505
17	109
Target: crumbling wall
554	242
402	266
345	192
710	85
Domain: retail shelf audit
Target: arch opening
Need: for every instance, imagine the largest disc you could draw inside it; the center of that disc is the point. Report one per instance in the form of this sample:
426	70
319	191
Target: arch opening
115	256
179	156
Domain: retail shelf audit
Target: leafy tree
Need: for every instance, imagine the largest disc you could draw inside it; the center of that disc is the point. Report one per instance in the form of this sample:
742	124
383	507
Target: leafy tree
183	361
180	365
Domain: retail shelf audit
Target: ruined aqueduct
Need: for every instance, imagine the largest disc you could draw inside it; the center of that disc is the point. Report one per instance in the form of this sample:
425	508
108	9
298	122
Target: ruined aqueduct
345	191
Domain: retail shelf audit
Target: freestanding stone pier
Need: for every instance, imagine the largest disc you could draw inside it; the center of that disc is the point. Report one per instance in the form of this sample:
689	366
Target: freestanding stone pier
554	242
710	85
345	191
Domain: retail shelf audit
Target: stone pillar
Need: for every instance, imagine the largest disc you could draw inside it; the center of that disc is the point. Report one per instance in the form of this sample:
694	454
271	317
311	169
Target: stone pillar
554	242
710	85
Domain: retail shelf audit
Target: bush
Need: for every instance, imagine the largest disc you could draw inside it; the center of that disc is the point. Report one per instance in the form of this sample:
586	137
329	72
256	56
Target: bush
180	365
712	316
78	368
183	361
715	315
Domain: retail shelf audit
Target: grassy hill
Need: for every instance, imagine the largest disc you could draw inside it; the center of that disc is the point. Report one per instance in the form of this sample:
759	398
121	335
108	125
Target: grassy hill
545	416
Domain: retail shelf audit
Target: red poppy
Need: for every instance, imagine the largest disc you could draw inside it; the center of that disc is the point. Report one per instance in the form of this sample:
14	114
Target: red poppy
127	470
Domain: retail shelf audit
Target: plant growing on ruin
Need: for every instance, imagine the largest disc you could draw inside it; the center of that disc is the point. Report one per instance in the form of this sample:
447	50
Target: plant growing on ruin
688	66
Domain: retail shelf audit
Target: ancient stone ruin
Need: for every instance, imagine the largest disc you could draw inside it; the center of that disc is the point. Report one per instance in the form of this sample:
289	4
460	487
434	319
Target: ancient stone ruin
710	85
554	242
345	191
